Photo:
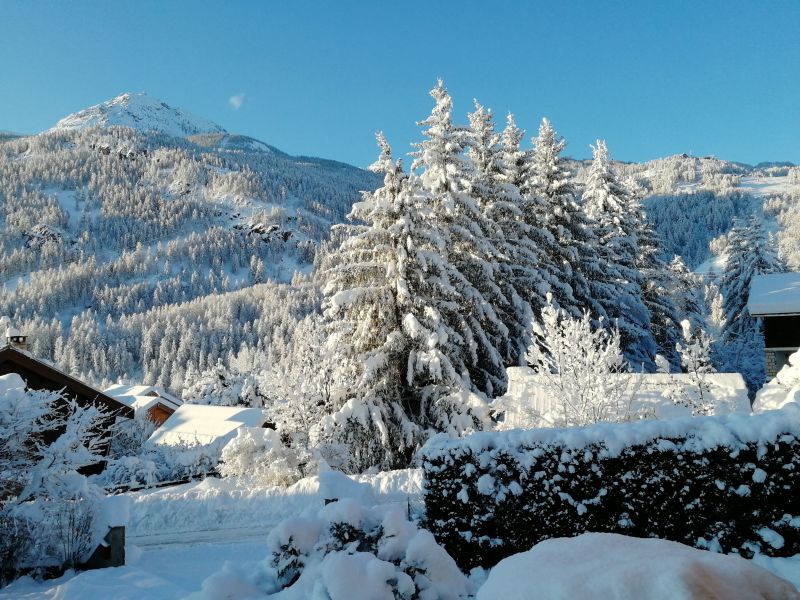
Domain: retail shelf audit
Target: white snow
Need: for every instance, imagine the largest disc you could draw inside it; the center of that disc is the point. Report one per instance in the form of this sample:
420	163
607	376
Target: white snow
775	294
203	424
605	565
783	389
141	397
699	434
527	403
141	112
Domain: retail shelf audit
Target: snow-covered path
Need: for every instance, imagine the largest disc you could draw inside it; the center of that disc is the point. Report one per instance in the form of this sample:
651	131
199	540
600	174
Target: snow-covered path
191	538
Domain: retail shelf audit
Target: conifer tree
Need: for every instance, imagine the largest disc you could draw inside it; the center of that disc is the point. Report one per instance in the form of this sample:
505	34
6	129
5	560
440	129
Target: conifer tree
570	255
397	322
686	293
750	252
499	199
657	283
455	216
613	215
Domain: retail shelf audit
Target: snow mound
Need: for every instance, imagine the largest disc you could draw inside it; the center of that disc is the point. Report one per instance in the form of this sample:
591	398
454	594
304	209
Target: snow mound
140	112
607	565
782	390
347	551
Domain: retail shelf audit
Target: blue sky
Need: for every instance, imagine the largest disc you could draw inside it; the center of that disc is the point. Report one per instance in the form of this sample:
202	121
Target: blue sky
653	78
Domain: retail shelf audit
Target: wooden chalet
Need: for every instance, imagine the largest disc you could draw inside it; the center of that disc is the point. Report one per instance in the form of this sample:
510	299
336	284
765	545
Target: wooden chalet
775	299
150	402
41	375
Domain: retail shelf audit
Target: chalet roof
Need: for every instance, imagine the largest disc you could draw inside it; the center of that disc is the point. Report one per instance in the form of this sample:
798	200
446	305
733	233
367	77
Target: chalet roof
13	332
199	423
39	374
142	397
775	294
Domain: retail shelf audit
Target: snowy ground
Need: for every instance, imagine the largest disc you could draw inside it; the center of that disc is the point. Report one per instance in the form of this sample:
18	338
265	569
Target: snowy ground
179	536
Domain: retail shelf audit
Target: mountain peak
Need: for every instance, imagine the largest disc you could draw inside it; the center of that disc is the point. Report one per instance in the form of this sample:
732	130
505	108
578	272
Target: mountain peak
141	112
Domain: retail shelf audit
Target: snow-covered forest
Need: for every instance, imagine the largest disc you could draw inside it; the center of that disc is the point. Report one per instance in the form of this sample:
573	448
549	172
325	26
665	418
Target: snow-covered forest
129	253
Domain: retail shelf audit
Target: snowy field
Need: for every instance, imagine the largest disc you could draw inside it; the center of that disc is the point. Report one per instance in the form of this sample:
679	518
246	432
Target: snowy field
178	537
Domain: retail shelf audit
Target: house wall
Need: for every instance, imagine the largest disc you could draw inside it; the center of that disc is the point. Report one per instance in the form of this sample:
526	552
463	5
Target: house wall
158	414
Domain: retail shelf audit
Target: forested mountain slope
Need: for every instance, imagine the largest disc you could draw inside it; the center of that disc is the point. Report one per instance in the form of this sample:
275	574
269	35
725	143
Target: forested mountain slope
134	236
113	214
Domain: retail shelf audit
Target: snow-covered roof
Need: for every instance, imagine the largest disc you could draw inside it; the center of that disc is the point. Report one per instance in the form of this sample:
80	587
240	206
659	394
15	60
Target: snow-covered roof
775	294
142	397
13	332
203	424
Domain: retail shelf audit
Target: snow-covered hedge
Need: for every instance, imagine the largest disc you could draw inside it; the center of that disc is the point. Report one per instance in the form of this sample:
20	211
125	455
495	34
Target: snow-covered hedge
723	483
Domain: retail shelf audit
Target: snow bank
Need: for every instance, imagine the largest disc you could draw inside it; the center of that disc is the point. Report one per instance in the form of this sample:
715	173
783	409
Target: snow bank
230	503
783	389
605	565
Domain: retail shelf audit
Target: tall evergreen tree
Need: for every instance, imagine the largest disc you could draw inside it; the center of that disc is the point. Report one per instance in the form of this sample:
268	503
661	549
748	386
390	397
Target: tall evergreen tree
445	184
518	276
687	293
397	323
750	252
657	283
614	219
571	259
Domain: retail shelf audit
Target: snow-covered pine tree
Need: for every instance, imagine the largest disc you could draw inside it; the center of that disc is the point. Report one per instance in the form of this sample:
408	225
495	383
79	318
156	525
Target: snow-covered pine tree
531	278
560	226
657	283
444	177
395	308
498	197
687	293
613	217
750	252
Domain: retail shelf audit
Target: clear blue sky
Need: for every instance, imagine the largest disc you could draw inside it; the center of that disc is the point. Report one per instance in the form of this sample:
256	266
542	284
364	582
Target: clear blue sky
651	77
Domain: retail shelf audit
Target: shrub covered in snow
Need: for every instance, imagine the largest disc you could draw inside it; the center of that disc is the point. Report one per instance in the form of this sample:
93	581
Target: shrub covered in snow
257	454
156	463
47	508
722	483
346	552
602	565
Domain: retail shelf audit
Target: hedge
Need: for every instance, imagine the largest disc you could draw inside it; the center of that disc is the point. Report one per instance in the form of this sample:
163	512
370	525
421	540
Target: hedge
729	484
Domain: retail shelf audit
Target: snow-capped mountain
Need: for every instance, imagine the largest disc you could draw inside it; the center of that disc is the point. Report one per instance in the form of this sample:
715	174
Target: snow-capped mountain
107	225
140	112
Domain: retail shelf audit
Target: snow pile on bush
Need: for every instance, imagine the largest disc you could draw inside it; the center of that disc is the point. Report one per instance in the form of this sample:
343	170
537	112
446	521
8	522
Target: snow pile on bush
603	565
50	514
258	455
784	388
731	479
157	463
346	551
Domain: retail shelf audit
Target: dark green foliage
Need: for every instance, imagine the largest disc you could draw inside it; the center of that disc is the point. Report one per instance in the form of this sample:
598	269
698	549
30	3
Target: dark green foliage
666	488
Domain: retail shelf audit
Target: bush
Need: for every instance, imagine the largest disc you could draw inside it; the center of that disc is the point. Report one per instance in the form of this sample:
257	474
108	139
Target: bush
259	455
346	551
722	483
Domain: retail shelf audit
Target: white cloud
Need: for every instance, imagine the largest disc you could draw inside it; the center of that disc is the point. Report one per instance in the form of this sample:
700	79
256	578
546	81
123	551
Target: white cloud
236	101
